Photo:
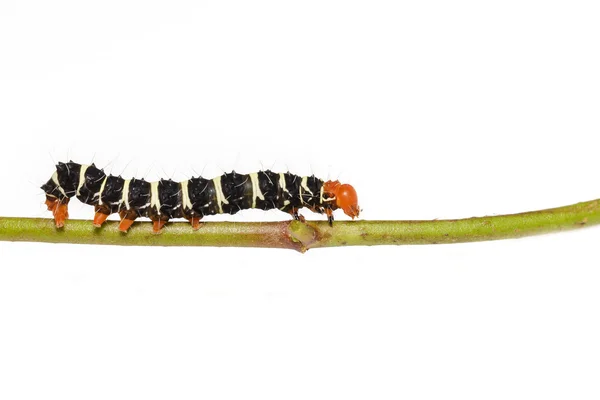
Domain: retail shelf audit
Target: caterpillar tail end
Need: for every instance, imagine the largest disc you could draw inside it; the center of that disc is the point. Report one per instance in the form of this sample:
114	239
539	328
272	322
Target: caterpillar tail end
60	210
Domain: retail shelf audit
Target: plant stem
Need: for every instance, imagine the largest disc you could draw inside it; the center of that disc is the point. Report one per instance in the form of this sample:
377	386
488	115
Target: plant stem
310	234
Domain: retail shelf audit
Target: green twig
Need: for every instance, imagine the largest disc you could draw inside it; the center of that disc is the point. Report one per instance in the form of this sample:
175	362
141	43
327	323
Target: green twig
310	234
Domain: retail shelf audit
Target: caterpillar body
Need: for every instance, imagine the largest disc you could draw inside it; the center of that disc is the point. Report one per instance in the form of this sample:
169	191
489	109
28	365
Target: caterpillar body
194	198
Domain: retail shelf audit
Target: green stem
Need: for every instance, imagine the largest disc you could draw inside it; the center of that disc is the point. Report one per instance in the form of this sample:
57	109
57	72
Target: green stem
310	234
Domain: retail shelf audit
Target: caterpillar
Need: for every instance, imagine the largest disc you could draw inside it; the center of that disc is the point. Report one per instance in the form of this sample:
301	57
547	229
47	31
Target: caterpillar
191	199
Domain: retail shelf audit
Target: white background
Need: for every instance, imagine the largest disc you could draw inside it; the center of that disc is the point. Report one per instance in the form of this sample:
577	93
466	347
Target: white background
431	109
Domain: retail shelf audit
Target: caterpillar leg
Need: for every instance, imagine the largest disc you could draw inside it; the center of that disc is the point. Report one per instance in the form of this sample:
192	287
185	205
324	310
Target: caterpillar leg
157	225
329	213
100	216
59	208
195	221
296	215
127	218
158	221
99	219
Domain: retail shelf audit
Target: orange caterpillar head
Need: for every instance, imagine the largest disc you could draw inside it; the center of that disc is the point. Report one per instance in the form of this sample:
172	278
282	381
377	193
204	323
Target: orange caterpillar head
345	197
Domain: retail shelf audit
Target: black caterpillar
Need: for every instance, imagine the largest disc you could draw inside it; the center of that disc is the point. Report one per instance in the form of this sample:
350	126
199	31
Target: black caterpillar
194	198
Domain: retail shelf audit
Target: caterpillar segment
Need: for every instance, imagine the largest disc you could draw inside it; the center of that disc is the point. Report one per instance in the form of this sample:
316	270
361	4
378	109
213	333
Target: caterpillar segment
194	198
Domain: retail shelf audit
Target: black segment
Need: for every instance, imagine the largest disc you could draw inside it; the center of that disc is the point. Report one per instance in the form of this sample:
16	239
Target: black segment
268	182
235	191
113	192
292	193
169	194
68	177
203	196
93	181
196	188
51	189
311	191
139	196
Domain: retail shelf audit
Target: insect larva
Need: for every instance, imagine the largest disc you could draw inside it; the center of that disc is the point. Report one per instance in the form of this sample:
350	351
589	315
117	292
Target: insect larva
194	198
